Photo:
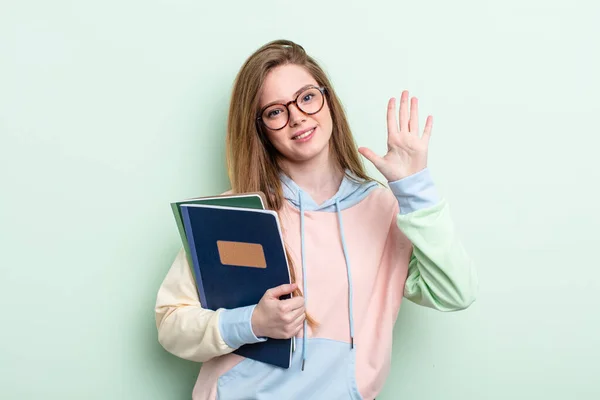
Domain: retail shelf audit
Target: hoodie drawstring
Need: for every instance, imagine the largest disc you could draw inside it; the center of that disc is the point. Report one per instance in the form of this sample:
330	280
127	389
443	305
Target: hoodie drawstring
303	278
304	285
349	272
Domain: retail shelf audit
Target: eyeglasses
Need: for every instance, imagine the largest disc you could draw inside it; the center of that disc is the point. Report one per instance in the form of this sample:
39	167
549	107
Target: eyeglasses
310	101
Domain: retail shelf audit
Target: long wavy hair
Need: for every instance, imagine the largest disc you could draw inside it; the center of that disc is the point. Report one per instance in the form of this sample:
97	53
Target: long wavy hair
252	161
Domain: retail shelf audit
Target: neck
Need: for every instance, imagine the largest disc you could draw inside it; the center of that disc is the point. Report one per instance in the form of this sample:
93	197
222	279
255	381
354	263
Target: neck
320	177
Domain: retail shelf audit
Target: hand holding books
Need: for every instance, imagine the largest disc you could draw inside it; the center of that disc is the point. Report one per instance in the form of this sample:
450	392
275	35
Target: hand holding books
279	319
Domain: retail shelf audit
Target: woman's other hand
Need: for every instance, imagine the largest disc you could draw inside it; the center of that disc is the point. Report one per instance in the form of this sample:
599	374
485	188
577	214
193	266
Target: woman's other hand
407	150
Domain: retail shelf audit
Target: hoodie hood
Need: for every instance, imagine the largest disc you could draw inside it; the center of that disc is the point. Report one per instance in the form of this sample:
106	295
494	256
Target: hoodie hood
350	192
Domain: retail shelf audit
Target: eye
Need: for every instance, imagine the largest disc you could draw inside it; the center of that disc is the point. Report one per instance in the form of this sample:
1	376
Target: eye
274	112
308	97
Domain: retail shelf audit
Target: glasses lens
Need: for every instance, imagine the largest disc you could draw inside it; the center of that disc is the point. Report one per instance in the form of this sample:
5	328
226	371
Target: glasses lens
275	117
311	101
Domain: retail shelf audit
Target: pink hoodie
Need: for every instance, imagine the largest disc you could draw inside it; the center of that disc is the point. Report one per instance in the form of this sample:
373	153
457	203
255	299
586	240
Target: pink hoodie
361	253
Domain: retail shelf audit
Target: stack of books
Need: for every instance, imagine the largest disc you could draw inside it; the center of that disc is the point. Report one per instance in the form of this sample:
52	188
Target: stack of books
235	248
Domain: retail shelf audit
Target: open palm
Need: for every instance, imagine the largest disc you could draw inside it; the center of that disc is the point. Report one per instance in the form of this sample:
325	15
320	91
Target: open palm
407	150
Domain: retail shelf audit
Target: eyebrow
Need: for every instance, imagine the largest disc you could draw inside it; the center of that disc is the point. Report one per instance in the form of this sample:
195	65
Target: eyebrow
294	96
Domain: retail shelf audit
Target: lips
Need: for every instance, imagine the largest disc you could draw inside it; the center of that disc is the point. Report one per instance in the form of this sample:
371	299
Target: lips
304	134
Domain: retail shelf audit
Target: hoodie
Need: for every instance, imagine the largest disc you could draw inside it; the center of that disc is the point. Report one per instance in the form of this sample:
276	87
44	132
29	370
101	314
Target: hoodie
361	253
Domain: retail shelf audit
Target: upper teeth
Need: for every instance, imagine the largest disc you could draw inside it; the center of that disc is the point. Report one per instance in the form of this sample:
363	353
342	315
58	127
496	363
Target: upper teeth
305	134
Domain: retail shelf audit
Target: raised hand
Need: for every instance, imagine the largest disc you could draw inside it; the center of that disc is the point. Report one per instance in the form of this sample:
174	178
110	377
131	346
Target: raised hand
407	150
278	319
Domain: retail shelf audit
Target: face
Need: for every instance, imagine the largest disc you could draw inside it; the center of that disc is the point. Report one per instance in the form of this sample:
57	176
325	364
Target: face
305	137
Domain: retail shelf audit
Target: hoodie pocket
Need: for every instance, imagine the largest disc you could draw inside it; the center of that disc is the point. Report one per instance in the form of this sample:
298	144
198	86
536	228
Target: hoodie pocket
329	373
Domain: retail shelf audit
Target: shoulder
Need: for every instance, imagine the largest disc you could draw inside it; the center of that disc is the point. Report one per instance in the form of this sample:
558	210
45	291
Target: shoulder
382	196
379	205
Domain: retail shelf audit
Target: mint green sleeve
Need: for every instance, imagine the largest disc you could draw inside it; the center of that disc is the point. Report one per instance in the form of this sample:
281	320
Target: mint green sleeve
441	275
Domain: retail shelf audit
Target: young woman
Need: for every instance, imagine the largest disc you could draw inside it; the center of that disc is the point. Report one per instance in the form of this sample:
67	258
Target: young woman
356	248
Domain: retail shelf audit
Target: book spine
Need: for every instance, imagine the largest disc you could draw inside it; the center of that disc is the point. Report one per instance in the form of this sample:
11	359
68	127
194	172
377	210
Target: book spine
192	247
175	207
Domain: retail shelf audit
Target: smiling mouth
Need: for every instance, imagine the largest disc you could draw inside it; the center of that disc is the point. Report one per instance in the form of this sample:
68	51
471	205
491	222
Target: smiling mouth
304	135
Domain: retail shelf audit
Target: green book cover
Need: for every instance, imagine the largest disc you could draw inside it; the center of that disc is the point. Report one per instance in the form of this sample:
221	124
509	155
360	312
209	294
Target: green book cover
243	200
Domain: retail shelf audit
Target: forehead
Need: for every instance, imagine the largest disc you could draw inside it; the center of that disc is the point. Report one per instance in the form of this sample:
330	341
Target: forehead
282	82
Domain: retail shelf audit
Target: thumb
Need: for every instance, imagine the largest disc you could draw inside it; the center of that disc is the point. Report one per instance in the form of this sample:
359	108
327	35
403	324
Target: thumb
281	290
371	156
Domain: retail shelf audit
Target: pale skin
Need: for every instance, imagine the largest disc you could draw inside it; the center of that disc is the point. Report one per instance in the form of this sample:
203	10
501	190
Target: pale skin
309	165
407	150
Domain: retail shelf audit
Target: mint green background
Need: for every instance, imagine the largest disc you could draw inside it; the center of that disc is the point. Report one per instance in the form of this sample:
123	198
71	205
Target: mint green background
109	110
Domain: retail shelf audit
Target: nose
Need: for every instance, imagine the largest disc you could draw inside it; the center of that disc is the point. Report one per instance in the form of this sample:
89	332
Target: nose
296	116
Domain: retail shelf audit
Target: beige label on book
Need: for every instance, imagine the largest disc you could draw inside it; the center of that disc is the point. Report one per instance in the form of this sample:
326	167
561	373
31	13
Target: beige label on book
242	254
